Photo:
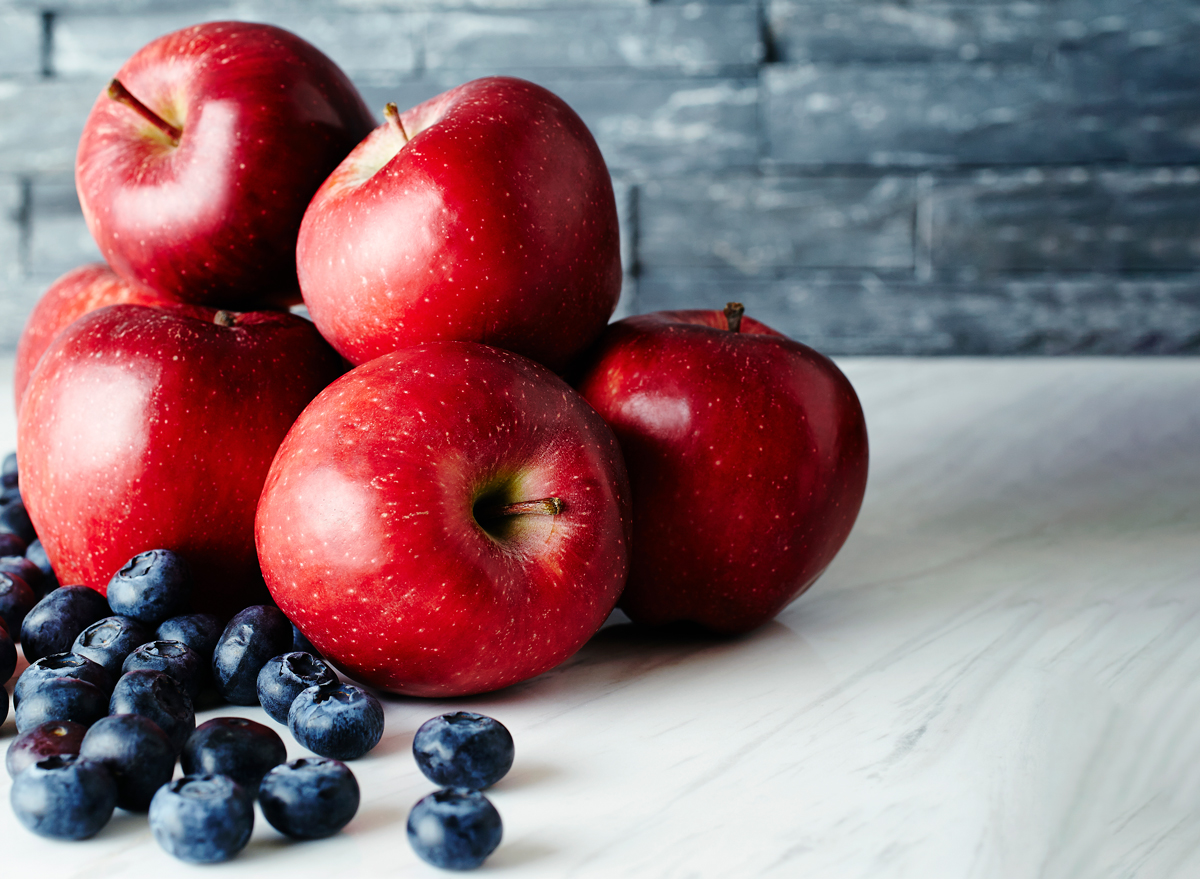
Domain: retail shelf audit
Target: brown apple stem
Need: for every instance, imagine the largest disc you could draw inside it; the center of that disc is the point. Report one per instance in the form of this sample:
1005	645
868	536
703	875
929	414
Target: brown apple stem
225	318
733	315
392	114
548	506
118	92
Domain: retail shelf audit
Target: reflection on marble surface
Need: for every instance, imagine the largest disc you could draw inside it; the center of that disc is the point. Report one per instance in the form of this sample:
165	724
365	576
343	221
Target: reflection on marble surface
998	677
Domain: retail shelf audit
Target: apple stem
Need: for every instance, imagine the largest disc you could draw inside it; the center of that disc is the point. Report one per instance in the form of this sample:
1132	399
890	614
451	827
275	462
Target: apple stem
392	114
548	506
733	315
118	92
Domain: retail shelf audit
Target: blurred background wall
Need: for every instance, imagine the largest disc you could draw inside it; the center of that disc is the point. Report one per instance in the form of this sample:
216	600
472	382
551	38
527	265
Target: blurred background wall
867	176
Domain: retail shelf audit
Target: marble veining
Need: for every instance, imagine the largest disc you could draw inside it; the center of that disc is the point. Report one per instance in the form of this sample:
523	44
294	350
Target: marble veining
999	676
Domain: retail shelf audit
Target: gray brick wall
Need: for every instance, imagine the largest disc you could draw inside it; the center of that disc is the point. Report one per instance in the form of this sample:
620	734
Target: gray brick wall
868	176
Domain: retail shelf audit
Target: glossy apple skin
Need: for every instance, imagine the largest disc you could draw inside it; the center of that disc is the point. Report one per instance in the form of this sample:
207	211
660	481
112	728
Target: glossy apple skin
147	428
76	293
265	118
494	223
368	539
747	457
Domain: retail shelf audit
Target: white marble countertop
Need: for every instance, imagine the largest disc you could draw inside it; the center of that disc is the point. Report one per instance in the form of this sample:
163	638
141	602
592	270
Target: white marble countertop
999	676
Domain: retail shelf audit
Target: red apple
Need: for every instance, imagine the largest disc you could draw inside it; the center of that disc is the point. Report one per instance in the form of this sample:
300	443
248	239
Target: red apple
76	293
196	164
485	214
148	428
747	456
447	519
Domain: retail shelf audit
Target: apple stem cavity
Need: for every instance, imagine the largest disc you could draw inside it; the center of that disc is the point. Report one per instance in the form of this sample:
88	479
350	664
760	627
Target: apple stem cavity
118	92
392	114
547	506
225	318
733	315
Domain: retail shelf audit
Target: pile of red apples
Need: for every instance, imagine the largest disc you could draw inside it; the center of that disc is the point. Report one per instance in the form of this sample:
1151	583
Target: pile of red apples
408	474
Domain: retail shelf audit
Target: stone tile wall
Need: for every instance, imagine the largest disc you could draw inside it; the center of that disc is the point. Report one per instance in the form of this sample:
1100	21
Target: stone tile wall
963	177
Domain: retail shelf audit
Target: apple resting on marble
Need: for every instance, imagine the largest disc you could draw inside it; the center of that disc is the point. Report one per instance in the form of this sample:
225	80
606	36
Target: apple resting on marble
76	293
147	428
747	457
447	519
197	162
485	214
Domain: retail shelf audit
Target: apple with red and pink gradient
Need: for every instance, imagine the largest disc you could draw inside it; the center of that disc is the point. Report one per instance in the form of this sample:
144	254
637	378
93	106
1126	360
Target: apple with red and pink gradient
747	457
447	519
154	427
196	164
485	214
76	293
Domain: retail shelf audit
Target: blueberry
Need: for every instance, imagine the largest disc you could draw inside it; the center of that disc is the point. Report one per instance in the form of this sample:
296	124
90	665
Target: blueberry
341	721
234	746
160	698
4	706
170	657
200	631
61	665
301	644
137	754
309	798
8	471
151	586
11	544
463	750
60	699
109	641
251	638
36	553
14	519
20	566
56	738
454	829
284	677
64	797
17	599
203	819
8	659
56	621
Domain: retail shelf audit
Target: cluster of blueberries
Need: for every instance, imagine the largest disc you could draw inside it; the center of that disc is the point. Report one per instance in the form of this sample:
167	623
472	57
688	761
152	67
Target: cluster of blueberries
107	706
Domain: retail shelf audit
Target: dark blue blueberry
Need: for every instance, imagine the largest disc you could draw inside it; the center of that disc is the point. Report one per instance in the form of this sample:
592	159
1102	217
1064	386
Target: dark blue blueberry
463	750
64	797
8	658
309	798
158	697
9	494
170	657
342	721
17	599
8	471
36	553
251	638
109	641
245	750
284	677
56	621
20	566
203	819
61	665
301	644
14	519
200	631
454	829
151	586
62	698
56	738
4	706
11	544
137	754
